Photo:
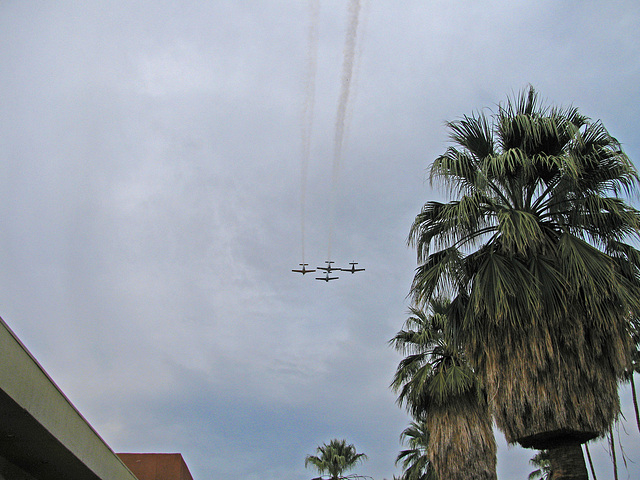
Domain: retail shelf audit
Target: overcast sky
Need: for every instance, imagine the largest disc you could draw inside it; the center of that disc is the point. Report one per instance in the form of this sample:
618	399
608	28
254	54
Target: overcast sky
150	202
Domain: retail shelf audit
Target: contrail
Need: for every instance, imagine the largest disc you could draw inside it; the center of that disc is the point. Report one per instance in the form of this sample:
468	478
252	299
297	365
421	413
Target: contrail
307	110
343	102
362	27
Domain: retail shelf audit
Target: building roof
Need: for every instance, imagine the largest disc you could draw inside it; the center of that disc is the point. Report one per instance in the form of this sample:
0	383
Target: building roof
157	466
41	432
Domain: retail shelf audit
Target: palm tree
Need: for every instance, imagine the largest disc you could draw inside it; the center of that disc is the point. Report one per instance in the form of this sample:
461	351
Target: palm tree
414	460
439	388
540	460
532	251
335	458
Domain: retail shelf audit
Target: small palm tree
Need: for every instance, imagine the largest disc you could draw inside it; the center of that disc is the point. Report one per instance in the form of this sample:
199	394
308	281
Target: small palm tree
414	460
439	388
334	458
540	460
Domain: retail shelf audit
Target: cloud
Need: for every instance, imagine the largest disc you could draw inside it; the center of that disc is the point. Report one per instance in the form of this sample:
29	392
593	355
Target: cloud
150	190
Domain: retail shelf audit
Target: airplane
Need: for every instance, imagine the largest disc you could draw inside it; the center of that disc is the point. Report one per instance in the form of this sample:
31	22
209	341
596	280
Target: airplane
326	278
304	269
328	268
353	268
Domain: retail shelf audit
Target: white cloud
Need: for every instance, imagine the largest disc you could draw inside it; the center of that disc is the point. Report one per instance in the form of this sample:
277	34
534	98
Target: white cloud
150	201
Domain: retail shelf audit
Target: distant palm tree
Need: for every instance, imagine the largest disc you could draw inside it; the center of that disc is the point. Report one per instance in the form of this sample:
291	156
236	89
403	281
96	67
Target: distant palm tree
414	460
439	388
335	458
532	251
540	460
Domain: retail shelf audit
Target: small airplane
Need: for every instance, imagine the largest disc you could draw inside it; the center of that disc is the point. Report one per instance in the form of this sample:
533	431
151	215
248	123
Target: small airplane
326	278
353	268
328	268
304	269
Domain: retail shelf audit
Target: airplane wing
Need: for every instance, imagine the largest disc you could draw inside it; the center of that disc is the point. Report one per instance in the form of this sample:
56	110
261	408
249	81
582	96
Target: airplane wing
327	278
352	268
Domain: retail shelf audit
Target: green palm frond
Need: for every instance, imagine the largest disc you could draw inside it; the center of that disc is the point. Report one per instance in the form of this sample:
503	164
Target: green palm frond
474	134
459	169
437	276
520	231
440	224
504	289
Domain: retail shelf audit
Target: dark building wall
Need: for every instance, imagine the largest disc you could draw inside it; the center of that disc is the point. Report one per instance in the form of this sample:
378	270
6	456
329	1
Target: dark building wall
9	471
156	466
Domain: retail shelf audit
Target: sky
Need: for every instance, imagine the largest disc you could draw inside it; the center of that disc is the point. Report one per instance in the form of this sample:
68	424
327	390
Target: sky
151	191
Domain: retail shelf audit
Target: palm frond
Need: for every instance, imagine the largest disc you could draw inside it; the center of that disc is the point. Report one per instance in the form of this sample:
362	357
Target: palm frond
437	275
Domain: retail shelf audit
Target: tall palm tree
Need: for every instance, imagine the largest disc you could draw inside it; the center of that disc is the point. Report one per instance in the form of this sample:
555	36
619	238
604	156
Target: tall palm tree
532	251
414	460
439	388
335	458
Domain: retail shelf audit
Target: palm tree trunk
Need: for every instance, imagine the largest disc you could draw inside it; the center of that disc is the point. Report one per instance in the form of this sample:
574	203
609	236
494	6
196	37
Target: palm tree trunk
614	459
593	470
567	463
635	400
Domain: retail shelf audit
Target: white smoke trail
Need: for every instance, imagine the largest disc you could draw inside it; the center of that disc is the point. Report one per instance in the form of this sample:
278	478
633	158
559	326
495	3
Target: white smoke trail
343	102
357	61
307	111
